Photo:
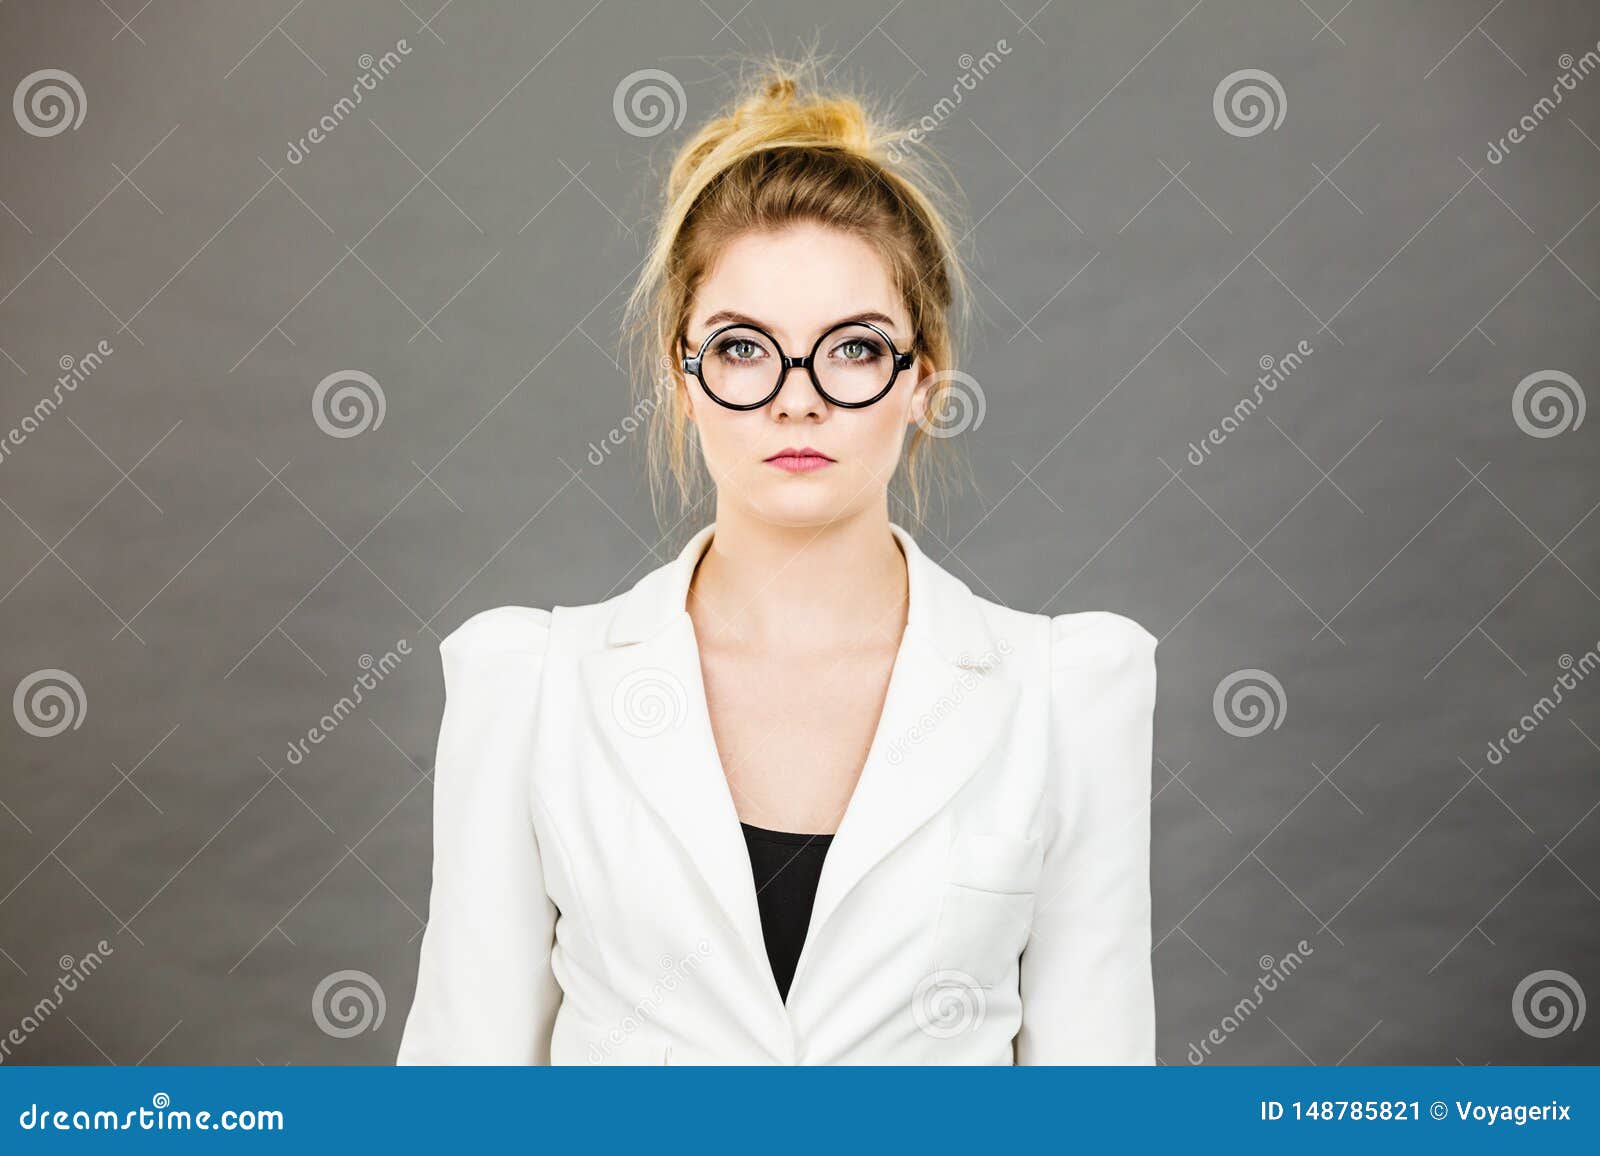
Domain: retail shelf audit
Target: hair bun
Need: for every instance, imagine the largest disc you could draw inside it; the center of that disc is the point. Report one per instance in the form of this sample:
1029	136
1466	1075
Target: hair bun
780	89
782	108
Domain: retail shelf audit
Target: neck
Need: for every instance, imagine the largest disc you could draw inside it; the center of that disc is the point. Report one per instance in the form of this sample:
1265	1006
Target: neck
807	589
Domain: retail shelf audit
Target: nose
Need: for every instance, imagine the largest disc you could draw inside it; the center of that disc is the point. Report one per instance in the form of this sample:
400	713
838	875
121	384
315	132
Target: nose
797	394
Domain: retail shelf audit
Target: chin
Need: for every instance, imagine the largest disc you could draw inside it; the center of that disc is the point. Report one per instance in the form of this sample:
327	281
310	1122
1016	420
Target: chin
787	505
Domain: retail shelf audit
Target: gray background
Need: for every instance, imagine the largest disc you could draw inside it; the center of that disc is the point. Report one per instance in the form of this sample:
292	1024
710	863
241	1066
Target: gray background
1382	536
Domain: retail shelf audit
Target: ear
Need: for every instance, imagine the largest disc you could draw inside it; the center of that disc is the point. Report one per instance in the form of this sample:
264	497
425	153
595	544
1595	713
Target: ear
675	379
691	399
920	393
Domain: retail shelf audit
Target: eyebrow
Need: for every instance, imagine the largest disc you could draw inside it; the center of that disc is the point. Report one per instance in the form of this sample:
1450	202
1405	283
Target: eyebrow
733	316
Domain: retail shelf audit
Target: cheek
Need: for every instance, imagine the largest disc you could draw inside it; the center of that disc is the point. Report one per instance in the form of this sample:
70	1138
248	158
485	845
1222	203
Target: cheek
867	442
886	430
725	435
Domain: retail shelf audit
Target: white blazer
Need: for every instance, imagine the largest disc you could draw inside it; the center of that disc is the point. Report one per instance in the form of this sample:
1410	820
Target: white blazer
985	900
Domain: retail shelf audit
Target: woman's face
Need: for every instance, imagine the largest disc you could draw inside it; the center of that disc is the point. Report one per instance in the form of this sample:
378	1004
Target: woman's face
795	284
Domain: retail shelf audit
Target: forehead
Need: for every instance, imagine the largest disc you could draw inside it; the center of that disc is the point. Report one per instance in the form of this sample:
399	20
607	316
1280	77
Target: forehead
798	280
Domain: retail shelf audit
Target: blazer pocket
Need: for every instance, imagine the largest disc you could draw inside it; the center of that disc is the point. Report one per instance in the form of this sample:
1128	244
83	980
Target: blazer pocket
986	910
994	861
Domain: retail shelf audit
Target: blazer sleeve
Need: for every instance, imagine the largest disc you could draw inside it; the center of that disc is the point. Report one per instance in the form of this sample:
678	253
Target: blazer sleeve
1086	984
485	990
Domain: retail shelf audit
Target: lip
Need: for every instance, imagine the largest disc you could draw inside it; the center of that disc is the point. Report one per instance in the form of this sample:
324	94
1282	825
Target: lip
800	460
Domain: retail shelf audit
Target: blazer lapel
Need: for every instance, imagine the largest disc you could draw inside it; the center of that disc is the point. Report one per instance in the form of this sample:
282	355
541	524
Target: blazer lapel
646	693
950	698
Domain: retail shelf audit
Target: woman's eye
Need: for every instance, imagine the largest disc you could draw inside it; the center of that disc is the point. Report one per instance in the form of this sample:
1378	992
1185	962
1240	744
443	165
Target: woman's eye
740	350
858	349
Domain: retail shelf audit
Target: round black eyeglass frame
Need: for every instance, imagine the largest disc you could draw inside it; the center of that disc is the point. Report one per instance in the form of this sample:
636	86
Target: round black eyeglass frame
902	361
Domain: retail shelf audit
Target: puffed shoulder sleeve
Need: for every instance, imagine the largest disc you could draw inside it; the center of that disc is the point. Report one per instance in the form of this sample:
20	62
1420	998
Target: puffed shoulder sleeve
1087	990
485	991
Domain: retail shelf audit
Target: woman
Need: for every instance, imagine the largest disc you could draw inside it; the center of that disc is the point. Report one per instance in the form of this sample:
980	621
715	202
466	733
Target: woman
799	795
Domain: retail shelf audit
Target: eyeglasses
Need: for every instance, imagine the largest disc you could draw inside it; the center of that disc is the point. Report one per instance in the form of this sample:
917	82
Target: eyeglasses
743	367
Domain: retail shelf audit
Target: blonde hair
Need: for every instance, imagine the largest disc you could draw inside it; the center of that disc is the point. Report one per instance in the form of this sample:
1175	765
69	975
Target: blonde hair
787	151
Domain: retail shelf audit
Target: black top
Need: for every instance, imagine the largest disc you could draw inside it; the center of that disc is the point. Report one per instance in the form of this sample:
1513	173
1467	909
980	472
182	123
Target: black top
787	865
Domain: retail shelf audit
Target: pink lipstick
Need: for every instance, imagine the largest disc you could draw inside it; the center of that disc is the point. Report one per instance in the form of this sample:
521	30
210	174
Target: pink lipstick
799	461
